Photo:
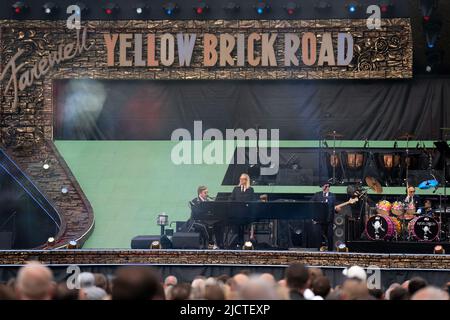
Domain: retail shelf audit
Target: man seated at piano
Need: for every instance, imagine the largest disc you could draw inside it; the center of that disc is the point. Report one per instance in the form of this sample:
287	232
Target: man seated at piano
202	195
243	192
195	225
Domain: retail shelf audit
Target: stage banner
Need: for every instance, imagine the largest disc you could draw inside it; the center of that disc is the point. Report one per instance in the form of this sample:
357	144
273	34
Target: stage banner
275	49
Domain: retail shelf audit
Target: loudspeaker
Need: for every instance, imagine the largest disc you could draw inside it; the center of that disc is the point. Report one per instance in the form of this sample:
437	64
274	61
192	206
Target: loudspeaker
6	240
180	225
186	240
339	226
144	242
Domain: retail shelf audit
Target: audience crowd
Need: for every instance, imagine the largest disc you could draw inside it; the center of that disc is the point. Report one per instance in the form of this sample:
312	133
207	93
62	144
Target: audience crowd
35	281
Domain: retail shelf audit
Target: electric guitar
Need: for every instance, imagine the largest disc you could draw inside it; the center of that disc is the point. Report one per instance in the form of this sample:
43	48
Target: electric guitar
350	201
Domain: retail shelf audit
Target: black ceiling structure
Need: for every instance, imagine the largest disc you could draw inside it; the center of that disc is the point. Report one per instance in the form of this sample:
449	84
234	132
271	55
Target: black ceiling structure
247	9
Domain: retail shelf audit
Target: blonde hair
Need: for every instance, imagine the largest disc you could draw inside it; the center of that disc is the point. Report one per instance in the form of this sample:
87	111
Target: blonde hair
247	185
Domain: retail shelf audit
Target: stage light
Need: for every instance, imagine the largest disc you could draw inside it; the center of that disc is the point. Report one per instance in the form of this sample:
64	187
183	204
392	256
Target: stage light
141	8
322	5
111	9
352	7
291	8
341	247
49	8
72	245
248	245
262	7
385	6
439	250
155	245
201	7
20	7
427	7
231	7
64	190
432	31
46	166
170	8
163	219
50	242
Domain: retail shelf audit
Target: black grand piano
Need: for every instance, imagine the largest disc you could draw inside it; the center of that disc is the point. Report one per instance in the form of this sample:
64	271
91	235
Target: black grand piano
247	212
229	213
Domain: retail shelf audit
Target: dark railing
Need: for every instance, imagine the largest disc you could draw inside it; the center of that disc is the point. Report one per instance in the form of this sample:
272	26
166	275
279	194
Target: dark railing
27	218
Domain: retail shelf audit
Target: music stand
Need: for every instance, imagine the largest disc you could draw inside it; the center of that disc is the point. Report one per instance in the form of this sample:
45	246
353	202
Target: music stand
444	150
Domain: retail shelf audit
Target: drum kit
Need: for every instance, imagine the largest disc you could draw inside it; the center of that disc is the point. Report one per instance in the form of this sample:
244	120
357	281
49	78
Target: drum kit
401	221
397	221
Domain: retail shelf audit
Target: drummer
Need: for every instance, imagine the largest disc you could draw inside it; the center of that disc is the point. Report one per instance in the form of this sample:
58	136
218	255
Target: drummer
427	209
411	198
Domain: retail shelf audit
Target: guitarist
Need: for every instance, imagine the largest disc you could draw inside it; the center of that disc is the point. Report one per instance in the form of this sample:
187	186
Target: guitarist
327	225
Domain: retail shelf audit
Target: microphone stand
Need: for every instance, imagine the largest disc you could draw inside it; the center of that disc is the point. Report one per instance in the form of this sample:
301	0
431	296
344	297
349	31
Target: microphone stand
445	191
408	160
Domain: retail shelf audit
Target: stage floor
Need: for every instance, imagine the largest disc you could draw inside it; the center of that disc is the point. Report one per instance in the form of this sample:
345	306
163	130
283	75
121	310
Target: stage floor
397	247
226	257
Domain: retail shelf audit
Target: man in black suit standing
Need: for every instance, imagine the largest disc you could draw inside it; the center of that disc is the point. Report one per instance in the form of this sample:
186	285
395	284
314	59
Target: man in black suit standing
327	225
242	193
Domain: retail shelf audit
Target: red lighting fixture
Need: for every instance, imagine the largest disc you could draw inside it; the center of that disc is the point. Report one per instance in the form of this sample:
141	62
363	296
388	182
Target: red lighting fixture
19	7
427	8
385	5
291	8
111	9
201	7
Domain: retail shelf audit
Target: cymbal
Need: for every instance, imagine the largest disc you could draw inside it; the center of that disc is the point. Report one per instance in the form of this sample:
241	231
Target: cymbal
373	184
334	134
406	136
428	184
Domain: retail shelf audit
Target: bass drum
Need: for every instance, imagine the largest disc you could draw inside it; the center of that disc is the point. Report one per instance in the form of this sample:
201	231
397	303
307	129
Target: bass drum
424	229
380	227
